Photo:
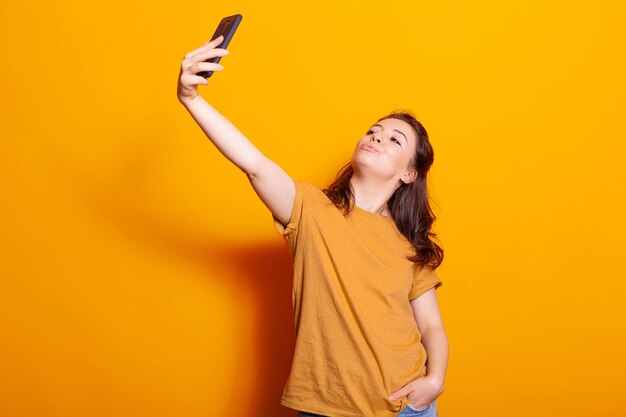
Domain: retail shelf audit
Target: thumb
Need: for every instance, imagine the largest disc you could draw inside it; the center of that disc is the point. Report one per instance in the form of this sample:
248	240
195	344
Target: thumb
399	394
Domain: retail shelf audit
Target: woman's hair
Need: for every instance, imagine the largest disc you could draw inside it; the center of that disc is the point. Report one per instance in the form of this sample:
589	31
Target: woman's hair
409	204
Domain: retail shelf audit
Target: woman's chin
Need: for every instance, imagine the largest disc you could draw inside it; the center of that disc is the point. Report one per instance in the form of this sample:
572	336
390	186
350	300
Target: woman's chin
368	170
364	160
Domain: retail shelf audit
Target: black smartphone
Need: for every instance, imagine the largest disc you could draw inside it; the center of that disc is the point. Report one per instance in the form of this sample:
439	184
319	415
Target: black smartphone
227	27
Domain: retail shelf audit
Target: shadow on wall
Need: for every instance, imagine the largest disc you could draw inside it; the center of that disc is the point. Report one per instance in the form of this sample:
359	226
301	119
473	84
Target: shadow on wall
264	268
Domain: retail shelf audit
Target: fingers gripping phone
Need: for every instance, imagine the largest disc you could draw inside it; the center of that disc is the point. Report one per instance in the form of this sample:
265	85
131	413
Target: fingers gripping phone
227	27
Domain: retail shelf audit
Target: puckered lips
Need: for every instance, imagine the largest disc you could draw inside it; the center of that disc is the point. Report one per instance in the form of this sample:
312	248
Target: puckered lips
370	148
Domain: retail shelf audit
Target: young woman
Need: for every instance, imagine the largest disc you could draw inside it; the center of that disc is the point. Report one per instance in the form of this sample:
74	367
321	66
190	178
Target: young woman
370	340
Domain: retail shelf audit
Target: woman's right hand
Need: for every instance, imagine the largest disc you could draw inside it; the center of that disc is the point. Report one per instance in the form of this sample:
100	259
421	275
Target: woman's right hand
193	63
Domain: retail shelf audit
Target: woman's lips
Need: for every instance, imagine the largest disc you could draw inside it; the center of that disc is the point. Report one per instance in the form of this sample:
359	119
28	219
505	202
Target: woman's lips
370	148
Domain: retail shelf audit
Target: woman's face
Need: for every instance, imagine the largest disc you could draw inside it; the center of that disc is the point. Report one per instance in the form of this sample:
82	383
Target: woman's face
386	150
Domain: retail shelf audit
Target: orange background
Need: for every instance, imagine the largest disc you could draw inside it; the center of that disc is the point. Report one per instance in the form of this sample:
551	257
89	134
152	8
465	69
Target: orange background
141	275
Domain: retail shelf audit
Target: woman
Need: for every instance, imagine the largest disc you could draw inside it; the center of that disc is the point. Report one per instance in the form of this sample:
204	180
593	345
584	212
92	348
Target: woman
369	335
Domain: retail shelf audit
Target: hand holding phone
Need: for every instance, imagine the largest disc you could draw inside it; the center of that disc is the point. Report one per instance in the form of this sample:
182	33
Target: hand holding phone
188	79
204	58
226	28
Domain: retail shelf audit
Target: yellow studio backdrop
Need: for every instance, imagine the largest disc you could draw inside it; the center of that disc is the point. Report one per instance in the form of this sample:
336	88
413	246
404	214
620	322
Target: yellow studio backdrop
142	276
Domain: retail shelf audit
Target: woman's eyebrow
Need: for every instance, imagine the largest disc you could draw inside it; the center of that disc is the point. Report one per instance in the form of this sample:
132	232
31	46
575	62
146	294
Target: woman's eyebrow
407	142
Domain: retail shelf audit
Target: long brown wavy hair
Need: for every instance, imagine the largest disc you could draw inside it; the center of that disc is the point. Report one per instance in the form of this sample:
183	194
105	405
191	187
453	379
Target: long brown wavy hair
409	205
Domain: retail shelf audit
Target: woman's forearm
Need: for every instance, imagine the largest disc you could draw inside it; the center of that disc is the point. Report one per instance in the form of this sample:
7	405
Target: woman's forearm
435	342
225	136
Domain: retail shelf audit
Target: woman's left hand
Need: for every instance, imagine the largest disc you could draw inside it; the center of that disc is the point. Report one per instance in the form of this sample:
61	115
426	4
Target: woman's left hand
420	392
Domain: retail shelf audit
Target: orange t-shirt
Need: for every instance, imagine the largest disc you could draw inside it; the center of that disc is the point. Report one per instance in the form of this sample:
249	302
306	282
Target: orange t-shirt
356	337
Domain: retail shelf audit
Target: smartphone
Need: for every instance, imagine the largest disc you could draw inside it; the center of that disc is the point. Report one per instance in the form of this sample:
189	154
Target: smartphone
227	27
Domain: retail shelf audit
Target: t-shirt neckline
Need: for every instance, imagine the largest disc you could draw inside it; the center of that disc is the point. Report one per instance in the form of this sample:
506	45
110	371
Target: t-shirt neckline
380	216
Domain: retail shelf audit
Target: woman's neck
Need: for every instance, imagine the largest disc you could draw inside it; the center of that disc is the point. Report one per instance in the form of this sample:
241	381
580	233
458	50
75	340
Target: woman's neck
371	196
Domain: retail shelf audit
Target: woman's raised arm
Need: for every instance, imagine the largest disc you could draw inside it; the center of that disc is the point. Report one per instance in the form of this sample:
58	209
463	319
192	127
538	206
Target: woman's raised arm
271	183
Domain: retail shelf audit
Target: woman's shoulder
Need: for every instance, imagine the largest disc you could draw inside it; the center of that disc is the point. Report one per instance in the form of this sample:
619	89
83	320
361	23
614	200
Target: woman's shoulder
310	189
314	196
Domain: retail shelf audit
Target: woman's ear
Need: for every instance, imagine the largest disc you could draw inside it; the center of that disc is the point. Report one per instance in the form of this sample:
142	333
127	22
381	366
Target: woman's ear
409	177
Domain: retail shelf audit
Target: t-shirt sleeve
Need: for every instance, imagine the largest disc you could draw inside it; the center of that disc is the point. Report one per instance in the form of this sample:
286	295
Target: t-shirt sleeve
423	280
291	230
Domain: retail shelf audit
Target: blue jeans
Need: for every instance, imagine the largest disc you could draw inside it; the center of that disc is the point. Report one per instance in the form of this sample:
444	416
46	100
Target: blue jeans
408	411
430	411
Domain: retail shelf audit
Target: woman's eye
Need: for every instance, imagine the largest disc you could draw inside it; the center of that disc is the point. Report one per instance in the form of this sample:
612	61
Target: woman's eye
369	132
